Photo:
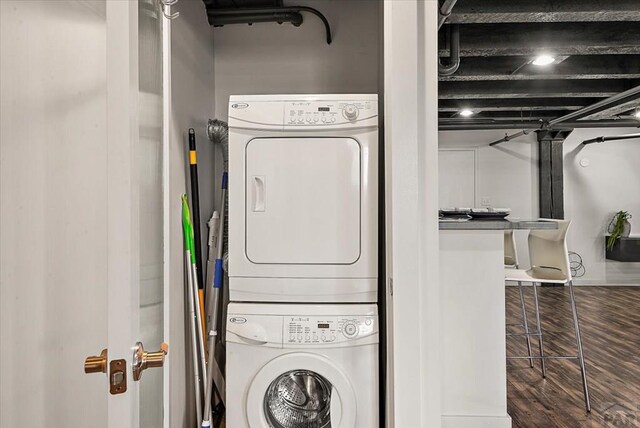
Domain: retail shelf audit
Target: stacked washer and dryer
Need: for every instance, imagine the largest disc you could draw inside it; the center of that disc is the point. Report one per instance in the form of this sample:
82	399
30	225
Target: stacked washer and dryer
302	325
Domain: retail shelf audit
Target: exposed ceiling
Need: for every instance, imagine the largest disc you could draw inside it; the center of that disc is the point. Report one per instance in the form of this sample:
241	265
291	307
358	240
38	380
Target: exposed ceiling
595	44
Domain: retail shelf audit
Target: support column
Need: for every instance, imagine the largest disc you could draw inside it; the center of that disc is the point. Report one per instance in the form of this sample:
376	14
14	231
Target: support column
550	173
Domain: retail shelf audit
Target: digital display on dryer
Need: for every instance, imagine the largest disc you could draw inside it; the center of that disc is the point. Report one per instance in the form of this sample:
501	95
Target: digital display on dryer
324	109
323	325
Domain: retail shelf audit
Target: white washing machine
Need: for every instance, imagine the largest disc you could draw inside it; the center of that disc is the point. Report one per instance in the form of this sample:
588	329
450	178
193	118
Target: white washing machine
303	198
302	366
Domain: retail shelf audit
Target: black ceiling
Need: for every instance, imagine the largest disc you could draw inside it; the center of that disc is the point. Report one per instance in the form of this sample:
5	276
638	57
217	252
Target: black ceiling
596	44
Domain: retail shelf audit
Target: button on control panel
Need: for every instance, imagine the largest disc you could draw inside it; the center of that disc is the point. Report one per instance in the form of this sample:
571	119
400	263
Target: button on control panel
318	113
326	330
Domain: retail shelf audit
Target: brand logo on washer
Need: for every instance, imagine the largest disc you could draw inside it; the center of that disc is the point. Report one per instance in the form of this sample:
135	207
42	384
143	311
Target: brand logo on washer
239	105
238	320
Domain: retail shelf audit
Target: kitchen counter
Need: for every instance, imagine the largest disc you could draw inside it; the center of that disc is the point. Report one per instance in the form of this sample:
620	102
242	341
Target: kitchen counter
507	224
472	290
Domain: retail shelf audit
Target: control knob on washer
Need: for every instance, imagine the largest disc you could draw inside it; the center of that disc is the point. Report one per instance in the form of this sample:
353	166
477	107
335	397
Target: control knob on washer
350	329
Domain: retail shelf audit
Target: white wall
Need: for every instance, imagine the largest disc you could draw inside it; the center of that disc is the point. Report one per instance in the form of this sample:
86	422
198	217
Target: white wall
192	83
508	176
53	175
593	194
268	58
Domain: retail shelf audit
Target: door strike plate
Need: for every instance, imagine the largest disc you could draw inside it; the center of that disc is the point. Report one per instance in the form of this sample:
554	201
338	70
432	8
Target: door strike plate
117	376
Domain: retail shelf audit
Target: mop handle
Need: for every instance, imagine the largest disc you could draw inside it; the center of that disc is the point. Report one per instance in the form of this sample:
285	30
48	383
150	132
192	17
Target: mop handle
195	205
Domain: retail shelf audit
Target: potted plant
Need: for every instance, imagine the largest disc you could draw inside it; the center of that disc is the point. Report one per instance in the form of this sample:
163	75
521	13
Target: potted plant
618	226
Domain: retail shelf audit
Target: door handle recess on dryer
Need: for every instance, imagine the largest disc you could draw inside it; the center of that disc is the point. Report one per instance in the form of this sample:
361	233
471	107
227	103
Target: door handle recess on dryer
259	190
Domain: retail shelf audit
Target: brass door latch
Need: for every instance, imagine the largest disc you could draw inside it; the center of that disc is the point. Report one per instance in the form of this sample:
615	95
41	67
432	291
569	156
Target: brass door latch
143	360
117	370
96	363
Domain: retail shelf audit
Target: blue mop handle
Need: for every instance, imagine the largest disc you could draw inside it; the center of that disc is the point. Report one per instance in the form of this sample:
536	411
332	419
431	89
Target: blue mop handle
218	275
225	180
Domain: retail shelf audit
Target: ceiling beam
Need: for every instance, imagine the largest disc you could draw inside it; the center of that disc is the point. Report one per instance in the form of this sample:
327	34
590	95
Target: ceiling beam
500	11
507	104
530	39
510	115
472	125
574	68
539	89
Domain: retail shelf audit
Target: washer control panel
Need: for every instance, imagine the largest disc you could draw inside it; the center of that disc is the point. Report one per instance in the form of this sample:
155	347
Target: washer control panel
326	330
319	113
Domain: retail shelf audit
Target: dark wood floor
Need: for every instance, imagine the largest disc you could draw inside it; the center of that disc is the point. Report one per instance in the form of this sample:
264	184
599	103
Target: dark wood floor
610	324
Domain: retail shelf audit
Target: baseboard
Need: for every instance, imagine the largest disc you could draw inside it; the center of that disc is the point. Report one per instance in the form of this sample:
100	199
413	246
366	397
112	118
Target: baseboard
455	421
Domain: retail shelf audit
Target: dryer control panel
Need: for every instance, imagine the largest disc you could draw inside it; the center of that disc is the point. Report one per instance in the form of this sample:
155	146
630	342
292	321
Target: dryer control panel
318	113
326	329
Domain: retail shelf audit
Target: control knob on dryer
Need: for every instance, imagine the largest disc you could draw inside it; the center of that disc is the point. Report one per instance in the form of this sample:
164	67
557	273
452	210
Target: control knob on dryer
350	111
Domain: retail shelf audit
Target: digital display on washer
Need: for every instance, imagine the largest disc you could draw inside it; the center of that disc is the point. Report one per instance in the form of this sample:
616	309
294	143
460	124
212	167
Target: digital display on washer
323	325
324	109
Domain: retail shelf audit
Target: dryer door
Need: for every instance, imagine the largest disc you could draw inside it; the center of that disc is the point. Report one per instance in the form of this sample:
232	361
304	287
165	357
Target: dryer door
301	390
302	200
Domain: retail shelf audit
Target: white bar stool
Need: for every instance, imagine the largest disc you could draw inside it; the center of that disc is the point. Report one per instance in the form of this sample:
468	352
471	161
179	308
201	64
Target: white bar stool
511	262
550	264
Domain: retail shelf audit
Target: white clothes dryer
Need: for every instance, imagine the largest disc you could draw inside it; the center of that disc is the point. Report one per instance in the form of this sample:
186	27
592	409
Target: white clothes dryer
303	198
302	366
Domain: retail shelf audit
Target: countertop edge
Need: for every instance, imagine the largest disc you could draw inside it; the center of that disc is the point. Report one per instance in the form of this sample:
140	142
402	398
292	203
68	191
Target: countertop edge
498	225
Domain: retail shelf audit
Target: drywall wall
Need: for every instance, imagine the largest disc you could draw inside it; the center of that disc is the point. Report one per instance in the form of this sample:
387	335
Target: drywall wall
508	176
268	58
192	83
53	181
592	194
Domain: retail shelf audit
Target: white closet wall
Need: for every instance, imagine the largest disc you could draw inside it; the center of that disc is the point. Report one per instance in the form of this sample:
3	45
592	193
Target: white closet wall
268	58
191	105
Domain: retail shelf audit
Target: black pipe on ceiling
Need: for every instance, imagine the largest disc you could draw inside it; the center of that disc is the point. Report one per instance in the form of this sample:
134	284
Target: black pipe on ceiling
611	138
250	18
249	15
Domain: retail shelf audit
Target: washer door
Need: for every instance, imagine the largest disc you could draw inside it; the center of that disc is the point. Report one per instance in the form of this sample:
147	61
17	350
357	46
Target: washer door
301	390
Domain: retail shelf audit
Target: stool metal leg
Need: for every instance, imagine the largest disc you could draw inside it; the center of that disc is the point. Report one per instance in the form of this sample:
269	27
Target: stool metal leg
526	323
583	369
539	330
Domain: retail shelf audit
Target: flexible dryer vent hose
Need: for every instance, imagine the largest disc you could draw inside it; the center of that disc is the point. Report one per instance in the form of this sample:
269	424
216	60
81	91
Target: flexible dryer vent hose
218	132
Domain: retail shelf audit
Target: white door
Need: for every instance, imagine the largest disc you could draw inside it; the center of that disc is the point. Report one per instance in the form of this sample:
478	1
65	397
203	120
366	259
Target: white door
457	178
82	211
303	200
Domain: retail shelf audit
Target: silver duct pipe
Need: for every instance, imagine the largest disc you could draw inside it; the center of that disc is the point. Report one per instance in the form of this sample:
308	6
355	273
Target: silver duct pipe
628	95
454	49
445	11
218	132
603	139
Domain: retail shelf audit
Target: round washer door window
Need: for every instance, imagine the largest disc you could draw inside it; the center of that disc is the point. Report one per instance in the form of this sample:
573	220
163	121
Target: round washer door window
298	399
301	390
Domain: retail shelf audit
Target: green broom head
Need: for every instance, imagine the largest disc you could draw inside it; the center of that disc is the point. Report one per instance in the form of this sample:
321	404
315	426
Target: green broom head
187	228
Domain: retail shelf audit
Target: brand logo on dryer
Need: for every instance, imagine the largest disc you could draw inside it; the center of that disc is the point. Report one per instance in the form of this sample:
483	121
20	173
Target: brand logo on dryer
238	320
239	105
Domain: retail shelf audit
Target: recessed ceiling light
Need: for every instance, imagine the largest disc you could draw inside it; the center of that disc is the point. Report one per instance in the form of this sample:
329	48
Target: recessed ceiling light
637	114
466	113
543	60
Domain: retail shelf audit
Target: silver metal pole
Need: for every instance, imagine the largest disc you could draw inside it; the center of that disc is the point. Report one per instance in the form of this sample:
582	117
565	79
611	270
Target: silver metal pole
539	330
526	323
583	369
